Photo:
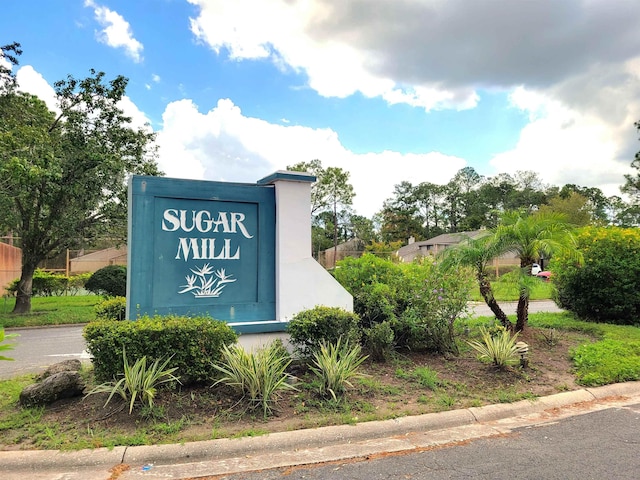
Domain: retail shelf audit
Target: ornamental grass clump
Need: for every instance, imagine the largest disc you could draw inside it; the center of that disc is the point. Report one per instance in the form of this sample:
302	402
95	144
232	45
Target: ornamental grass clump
259	376
500	348
336	364
139	383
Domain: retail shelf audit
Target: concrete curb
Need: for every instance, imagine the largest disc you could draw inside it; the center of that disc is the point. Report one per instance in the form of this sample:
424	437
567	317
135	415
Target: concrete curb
32	460
303	440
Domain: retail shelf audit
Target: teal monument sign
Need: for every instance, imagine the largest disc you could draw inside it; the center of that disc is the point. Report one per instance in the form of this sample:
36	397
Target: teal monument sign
240	253
203	248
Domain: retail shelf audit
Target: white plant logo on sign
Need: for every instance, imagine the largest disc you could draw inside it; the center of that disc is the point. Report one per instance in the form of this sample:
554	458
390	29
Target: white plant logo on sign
210	282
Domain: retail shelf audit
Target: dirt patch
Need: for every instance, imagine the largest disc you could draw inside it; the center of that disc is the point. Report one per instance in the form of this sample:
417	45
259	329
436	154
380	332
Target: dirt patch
409	384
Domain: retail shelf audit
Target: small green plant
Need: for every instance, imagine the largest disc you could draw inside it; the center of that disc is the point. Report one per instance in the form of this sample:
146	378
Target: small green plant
427	378
139	383
309	328
549	336
113	308
445	400
499	349
258	375
336	365
5	347
378	341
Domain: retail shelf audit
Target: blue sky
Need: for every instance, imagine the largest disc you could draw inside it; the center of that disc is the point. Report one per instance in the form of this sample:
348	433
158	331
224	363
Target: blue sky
389	90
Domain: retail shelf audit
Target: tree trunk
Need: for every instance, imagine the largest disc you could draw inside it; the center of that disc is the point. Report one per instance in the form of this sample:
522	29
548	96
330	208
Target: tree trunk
25	288
487	294
522	312
523	301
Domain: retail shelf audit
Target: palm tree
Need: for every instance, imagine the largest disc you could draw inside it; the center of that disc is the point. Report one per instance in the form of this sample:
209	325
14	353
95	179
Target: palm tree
530	237
527	236
477	253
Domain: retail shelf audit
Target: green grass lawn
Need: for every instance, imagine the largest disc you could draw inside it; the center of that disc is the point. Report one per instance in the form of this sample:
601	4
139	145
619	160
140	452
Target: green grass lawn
614	358
50	311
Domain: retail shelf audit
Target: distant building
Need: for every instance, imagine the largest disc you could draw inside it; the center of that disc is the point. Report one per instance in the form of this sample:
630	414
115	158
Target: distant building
435	245
96	260
10	265
350	248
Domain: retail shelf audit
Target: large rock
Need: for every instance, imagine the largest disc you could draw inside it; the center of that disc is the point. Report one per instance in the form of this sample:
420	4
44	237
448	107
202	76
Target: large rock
57	386
73	365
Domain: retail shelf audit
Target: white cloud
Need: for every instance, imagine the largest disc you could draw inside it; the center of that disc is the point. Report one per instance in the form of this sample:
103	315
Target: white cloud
224	145
116	32
579	59
138	118
335	67
34	83
564	145
155	78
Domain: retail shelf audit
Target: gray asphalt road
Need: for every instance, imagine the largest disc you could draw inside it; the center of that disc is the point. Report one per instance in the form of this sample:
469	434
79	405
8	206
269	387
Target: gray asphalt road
593	446
481	310
37	348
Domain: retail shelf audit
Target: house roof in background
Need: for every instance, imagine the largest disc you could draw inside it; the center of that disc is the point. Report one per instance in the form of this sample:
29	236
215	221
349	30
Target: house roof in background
446	239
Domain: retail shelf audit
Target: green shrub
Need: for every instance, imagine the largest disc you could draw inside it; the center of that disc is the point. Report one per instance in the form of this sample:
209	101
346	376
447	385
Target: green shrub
258	375
114	308
195	343
45	284
376	285
139	382
606	287
309	328
336	364
77	282
378	341
420	300
110	281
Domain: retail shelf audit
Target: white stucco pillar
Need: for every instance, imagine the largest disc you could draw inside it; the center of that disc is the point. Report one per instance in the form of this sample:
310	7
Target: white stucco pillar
301	282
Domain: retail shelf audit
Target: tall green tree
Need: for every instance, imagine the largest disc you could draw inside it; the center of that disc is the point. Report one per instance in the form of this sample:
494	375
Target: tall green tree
64	174
574	206
631	188
400	217
331	192
429	199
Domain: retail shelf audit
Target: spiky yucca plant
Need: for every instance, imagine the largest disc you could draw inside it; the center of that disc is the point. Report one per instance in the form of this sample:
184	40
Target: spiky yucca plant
139	383
259	375
336	365
500	348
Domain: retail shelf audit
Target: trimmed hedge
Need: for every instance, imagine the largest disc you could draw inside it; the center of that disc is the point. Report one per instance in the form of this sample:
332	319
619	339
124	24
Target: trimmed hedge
113	308
110	281
47	284
309	328
195	344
